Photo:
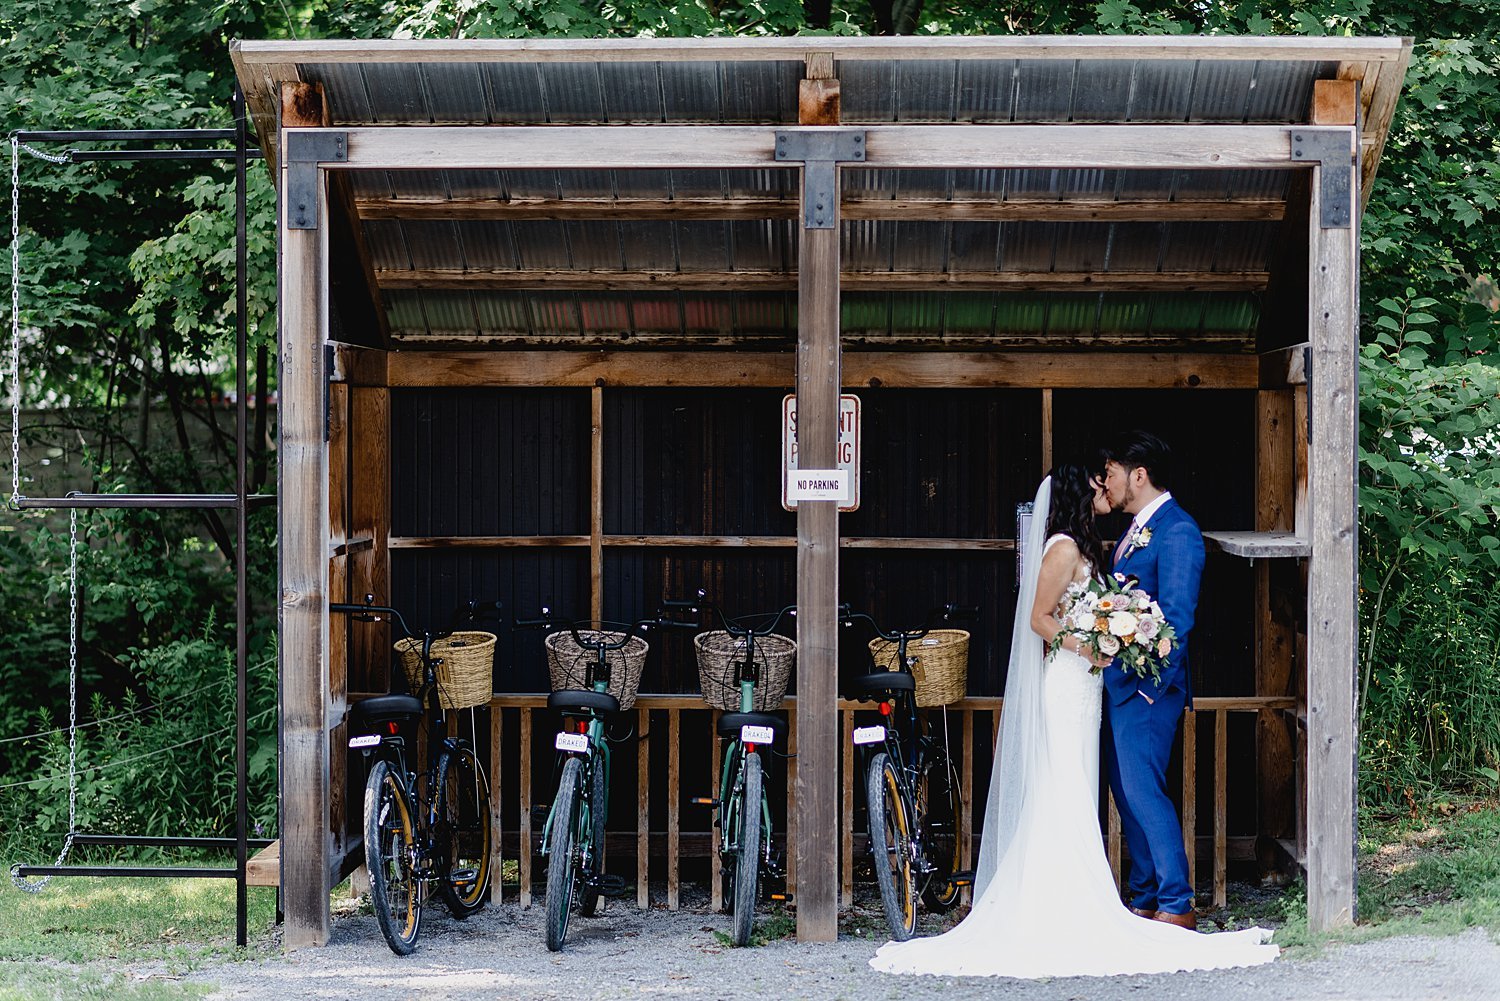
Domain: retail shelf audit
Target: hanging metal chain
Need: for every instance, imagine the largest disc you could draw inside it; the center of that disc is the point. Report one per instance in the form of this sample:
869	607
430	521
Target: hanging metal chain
15	322
35	886
16	146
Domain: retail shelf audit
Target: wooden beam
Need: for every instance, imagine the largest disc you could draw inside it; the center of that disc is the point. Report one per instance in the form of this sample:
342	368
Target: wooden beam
358	365
1284	368
560	280
892	369
816	787
351	271
1332	621
606	147
1335	102
303	529
956	210
1382	96
252	53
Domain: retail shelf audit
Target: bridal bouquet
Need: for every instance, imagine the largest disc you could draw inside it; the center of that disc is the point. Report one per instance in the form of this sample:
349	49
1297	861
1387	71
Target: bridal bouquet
1115	618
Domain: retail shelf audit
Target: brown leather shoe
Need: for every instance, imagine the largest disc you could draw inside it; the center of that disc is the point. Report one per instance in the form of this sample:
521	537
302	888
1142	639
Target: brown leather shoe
1188	920
1141	912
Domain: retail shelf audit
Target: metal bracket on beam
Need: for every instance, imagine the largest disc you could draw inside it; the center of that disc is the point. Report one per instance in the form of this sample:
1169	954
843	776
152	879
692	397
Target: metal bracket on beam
304	152
820	152
1334	152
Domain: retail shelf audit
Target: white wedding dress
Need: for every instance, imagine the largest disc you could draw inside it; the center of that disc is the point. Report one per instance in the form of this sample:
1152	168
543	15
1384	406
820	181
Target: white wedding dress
1046	903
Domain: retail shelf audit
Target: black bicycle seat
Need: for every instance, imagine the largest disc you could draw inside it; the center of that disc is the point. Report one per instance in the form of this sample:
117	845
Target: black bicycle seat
574	700
388	709
730	723
868	685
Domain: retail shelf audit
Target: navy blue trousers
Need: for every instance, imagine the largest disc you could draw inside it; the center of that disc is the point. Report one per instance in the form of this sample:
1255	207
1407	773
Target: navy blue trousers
1138	738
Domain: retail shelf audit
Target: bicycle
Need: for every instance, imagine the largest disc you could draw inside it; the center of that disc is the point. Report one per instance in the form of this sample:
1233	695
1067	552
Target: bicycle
427	826
573	835
911	787
743	805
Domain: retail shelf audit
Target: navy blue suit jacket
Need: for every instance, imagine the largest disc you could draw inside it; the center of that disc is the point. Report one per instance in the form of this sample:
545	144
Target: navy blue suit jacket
1169	569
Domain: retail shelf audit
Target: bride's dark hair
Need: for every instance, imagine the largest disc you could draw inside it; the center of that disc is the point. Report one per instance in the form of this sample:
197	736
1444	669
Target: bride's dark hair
1072	513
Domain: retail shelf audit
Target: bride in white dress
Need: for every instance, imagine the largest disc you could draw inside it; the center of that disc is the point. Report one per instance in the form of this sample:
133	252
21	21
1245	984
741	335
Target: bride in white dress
1045	898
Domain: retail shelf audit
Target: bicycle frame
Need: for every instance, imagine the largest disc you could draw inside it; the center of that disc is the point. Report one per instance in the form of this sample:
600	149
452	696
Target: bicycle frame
747	675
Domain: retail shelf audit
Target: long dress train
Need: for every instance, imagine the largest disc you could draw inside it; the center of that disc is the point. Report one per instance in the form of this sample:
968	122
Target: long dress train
1049	907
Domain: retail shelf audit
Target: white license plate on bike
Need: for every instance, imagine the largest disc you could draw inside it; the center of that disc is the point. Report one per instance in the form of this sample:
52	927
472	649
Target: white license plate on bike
869	734
576	742
756	734
368	740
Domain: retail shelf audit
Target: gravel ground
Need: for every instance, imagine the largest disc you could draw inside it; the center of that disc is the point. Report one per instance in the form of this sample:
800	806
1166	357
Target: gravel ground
500	953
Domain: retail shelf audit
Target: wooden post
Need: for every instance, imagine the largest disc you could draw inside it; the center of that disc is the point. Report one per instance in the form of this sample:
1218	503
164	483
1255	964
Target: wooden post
1275	474
497	793
674	799
1332	623
596	505
643	811
303	527
818	382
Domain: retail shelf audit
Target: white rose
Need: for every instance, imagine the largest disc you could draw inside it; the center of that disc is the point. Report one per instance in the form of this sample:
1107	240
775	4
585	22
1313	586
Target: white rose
1142	601
1122	623
1156	609
1108	645
1082	619
1147	627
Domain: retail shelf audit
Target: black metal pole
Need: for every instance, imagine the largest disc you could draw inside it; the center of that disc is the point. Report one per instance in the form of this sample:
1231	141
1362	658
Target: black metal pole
125	135
242	510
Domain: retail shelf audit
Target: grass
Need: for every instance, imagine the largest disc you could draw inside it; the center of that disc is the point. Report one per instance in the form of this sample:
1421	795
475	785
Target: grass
120	938
1435	871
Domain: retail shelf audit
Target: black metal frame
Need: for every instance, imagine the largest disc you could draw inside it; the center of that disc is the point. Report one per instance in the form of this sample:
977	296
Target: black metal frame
240	501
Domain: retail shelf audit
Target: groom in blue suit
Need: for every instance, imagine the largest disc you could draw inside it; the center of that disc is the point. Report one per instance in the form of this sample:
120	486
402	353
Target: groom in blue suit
1163	549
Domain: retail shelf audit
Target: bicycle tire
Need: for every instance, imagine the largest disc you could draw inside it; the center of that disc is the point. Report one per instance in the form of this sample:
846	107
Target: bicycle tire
747	860
390	847
591	901
463	831
890	836
940	838
560	866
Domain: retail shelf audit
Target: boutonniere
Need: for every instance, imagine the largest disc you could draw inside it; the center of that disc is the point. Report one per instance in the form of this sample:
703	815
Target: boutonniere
1139	538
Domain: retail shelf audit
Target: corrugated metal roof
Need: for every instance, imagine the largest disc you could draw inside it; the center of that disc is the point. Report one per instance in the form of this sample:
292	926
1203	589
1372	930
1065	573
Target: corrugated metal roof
1032	80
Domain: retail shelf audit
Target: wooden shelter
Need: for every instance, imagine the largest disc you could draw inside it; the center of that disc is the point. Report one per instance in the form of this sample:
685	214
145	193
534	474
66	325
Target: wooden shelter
539	302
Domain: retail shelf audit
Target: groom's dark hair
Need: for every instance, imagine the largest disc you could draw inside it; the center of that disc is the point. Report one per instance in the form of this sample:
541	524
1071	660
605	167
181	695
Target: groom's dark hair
1140	449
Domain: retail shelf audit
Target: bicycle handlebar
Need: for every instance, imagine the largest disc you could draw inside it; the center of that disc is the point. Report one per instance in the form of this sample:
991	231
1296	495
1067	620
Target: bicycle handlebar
470	611
950	612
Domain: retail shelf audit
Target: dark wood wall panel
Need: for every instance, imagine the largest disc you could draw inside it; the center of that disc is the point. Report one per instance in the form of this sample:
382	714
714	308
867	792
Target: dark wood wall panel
489	462
1212	436
434	583
946	464
693	462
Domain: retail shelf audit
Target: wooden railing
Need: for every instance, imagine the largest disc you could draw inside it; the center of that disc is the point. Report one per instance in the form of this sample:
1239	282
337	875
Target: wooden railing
965	719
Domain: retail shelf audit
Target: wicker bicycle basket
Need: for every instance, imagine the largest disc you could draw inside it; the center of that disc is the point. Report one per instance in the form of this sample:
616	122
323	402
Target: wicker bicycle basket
719	655
464	664
940	664
568	663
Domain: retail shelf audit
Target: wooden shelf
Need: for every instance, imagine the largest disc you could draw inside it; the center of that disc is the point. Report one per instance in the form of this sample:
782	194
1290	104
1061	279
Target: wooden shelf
1259	545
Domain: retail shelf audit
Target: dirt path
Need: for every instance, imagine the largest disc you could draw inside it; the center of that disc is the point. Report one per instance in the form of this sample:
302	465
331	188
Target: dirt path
499	953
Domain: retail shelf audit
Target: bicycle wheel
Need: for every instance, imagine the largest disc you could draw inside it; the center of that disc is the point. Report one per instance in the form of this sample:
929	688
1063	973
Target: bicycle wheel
890	840
463	832
591	901
390	850
940	836
747	857
560	844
